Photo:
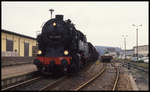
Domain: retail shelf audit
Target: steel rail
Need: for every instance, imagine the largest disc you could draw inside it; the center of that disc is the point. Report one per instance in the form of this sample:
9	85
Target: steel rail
89	81
53	83
116	80
136	66
19	84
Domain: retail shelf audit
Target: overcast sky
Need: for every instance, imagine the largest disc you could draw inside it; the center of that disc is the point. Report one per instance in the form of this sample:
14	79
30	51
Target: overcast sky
103	23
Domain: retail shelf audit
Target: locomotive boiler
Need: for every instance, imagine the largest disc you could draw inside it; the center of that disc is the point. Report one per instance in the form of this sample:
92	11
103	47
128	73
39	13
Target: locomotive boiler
63	48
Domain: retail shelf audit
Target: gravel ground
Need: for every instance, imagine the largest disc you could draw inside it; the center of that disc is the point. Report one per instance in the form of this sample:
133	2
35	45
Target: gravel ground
74	81
105	81
124	81
36	85
141	79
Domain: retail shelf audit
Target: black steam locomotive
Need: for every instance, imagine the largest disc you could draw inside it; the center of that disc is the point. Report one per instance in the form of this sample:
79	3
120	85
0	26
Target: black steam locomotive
63	48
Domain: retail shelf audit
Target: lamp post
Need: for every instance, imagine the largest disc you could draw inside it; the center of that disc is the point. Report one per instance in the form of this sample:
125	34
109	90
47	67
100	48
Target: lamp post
136	38
51	10
124	36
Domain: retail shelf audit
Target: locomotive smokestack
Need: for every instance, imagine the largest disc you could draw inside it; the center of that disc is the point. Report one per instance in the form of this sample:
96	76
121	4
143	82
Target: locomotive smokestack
59	17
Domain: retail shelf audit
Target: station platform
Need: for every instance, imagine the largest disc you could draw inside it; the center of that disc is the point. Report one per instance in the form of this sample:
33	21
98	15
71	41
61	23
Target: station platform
11	71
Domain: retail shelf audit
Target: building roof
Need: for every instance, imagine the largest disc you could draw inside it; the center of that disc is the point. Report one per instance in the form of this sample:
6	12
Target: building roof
9	32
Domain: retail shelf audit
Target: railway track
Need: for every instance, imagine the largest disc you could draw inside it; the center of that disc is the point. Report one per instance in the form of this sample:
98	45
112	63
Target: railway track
31	84
38	83
99	75
84	84
92	79
129	65
116	79
22	83
52	84
59	83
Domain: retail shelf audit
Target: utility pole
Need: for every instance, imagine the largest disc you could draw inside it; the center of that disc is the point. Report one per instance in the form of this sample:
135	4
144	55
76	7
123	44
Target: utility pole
125	45
136	39
51	11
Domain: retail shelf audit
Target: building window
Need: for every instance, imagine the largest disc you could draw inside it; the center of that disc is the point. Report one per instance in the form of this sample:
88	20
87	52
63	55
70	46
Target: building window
9	45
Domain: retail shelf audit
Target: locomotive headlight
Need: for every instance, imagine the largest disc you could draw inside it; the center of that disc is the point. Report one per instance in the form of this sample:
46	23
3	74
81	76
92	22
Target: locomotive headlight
54	24
39	52
66	52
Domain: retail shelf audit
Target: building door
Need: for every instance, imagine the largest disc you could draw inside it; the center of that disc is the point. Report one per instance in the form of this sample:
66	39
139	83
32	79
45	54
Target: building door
26	49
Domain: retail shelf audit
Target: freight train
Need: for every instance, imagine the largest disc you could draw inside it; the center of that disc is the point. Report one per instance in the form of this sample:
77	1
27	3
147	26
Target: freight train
63	48
106	58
